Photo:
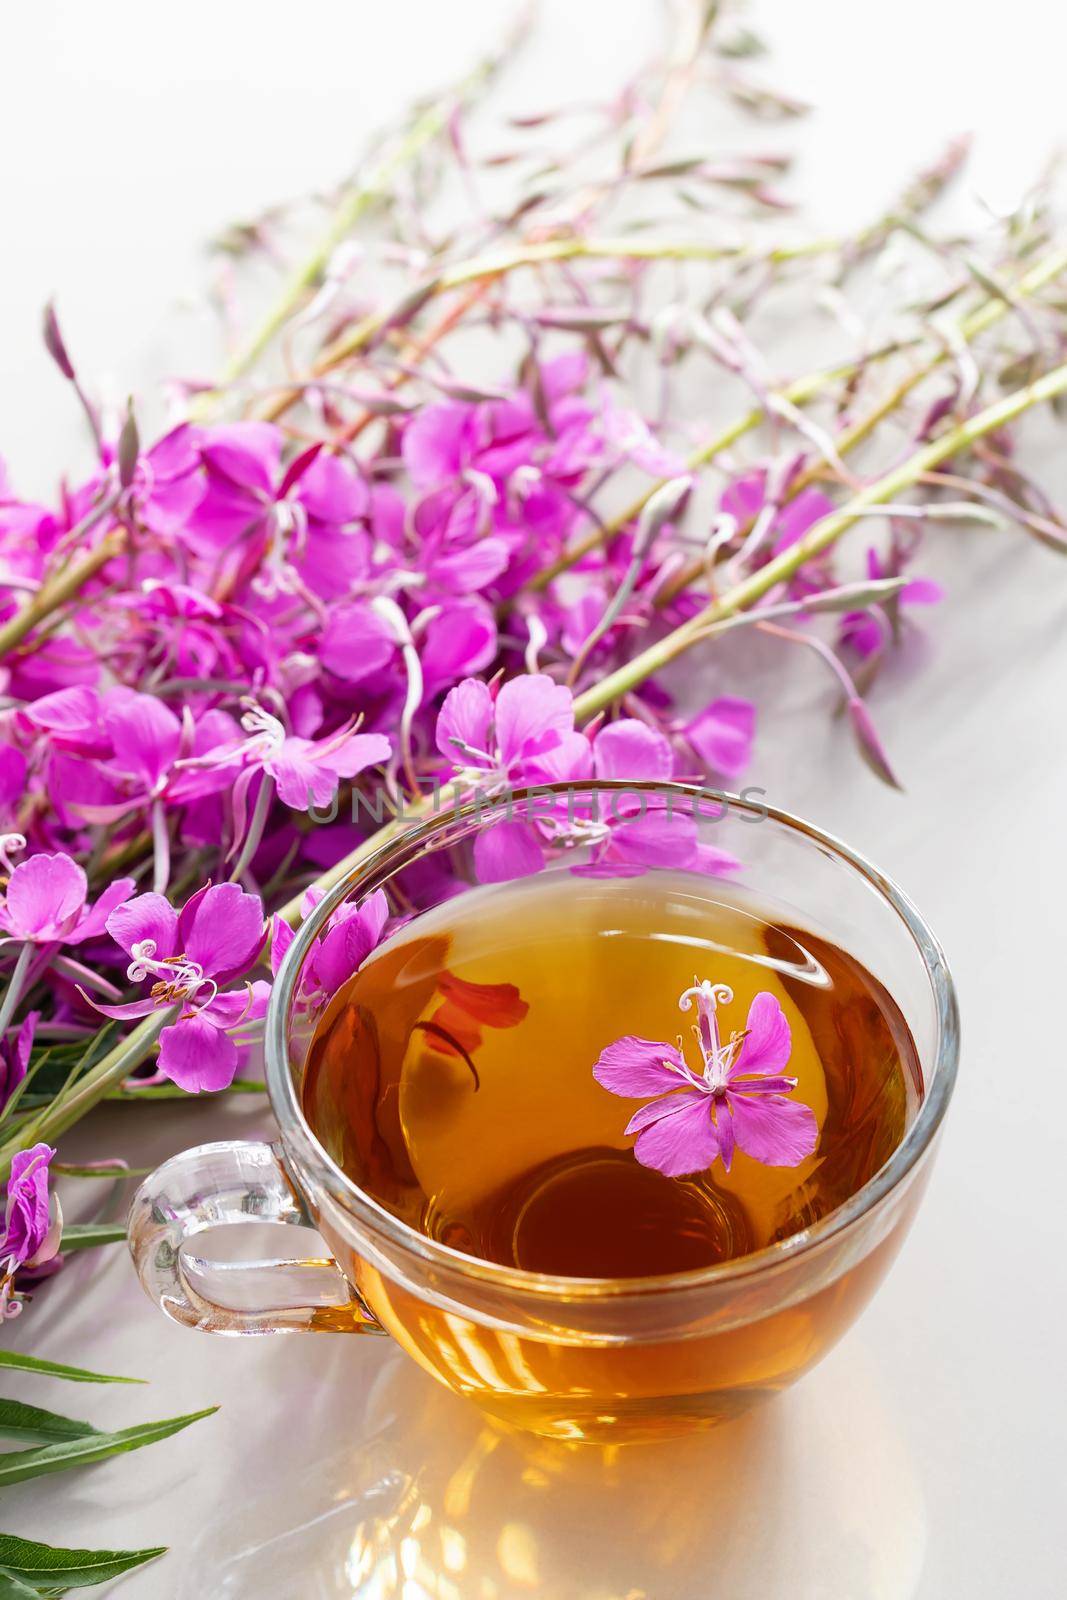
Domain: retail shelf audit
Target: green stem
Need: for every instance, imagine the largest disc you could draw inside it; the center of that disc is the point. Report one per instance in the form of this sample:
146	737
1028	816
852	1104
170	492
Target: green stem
52	595
90	1089
809	387
499	263
255	827
13	992
819	537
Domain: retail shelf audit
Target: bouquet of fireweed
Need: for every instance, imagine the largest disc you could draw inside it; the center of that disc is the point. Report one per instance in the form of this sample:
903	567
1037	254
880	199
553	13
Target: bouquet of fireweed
446	521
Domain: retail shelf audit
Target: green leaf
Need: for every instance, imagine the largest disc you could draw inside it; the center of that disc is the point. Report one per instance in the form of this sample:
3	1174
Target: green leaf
12	1588
87	1235
15	1361
18	1465
19	1421
46	1566
170	1091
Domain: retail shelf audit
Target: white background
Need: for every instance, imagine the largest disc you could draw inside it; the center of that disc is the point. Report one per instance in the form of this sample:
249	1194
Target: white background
925	1457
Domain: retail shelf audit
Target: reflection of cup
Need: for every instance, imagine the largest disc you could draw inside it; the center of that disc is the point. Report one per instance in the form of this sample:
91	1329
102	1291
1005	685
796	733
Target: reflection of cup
426	1501
569	1357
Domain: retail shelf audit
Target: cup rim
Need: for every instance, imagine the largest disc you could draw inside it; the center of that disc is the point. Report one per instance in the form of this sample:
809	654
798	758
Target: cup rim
382	862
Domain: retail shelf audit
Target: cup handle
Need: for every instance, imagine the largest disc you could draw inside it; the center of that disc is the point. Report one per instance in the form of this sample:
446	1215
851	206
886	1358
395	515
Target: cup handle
218	1185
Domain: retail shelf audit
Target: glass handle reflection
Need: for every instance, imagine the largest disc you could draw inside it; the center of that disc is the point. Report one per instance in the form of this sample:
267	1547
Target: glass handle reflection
222	1186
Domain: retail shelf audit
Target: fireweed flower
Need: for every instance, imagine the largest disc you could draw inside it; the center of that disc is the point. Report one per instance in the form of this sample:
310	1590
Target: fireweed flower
507	740
305	771
739	1099
31	1232
46	902
188	958
527	736
350	935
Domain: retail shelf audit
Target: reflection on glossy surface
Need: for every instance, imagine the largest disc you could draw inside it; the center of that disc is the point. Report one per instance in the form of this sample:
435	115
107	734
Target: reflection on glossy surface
431	1502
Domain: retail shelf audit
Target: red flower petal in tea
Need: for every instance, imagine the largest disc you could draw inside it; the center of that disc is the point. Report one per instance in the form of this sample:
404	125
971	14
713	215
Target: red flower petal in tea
740	1099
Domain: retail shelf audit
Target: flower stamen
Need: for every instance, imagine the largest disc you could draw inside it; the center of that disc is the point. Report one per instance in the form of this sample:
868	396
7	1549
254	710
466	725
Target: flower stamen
178	978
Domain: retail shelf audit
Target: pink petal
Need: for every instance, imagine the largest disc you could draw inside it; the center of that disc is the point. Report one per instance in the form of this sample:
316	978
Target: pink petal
743	499
301	782
340	952
800	514
532	714
12	777
358	752
71	717
356	642
196	1055
44	894
436	443
772	1129
465	571
372	915
683	1140
921	592
221	928
662	1106
656	841
332	492
635	1067
282	937
767	1039
570	761
465	716
631	749
715	863
150	916
238	1006
145	736
722	734
134	1008
724	1127
507	850
94	921
460	640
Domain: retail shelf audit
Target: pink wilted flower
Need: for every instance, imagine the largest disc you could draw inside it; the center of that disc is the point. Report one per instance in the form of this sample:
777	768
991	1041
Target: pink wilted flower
45	902
190	956
739	1099
31	1232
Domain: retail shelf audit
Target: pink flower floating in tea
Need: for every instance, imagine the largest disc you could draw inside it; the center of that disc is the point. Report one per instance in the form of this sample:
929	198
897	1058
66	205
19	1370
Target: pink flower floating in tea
739	1100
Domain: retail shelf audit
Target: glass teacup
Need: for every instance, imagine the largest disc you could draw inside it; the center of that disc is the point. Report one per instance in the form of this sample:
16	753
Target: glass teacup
569	1357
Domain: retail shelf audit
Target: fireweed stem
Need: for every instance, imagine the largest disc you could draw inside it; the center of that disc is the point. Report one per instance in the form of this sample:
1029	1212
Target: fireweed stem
252	838
819	537
16	984
808	387
481	269
61	589
109	1073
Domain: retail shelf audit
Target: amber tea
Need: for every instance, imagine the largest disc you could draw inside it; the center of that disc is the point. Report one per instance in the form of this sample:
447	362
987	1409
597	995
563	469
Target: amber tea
453	1080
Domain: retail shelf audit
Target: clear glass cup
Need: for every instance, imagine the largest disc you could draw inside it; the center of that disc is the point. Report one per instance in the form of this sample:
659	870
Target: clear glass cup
572	1358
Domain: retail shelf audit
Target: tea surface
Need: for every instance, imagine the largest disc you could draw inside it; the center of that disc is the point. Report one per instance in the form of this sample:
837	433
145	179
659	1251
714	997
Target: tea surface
452	1077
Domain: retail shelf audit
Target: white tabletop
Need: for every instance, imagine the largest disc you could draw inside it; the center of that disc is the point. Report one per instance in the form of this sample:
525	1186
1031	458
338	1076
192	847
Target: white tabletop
925	1457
